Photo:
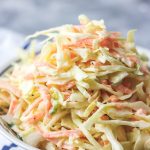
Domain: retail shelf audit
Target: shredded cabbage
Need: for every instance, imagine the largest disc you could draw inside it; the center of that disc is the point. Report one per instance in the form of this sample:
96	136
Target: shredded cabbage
109	134
86	89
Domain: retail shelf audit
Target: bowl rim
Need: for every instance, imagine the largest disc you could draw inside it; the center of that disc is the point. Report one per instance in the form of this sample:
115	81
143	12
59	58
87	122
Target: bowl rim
16	141
24	145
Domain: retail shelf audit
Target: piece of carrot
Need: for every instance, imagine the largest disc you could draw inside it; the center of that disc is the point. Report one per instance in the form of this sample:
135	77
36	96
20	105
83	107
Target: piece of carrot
36	117
119	107
134	119
72	55
107	42
32	106
66	94
106	142
103	143
105	117
86	42
66	86
134	59
65	133
76	133
44	91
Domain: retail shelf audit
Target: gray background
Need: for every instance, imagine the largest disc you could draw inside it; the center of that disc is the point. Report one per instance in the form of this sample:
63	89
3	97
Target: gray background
28	16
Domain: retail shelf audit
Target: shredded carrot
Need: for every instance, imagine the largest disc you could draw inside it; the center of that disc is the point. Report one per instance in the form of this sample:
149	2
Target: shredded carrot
67	133
95	63
67	86
44	91
53	141
66	94
35	118
108	42
134	119
83	42
103	143
72	55
76	133
32	106
119	107
105	117
106	142
86	42
134	59
70	85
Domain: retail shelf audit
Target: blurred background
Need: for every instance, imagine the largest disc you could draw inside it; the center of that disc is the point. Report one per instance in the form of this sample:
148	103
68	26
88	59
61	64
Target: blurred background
27	16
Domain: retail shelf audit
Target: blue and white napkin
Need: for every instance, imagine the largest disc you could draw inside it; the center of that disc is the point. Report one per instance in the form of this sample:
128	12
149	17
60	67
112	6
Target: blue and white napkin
6	144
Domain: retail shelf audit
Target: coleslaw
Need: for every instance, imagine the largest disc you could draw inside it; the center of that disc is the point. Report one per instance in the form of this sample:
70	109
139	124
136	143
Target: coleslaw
87	89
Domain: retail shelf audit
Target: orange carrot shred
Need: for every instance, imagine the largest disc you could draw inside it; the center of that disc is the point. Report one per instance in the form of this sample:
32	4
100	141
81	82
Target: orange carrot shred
105	117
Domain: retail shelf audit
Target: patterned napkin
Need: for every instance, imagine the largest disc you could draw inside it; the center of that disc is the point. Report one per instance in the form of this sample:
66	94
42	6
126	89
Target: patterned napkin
6	144
9	41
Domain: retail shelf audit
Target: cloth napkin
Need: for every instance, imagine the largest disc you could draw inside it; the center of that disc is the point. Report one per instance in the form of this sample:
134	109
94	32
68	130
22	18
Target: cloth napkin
7	145
9	42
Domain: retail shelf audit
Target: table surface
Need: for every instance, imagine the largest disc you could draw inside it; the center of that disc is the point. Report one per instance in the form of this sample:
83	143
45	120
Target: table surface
28	16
